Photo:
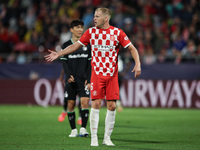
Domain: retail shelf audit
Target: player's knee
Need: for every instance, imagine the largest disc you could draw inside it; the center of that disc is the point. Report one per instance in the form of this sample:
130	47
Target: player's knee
111	105
96	104
71	105
84	103
111	108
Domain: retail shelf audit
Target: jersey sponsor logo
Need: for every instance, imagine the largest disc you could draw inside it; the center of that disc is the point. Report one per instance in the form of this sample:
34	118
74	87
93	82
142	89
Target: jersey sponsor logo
78	56
104	47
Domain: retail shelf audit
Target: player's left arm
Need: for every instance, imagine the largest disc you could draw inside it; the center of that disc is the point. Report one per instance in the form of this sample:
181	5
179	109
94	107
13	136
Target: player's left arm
136	58
126	43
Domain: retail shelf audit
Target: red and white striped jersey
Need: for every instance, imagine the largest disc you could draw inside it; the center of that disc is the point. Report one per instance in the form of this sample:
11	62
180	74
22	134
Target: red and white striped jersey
105	45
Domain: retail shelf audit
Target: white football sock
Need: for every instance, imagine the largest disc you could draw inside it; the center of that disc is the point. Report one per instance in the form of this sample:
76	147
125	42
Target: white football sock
109	123
94	122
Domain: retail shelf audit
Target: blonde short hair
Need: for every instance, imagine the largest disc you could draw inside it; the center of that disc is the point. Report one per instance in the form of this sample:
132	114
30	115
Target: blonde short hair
105	11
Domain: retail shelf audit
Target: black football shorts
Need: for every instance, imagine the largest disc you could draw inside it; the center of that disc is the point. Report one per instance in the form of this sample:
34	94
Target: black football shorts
75	88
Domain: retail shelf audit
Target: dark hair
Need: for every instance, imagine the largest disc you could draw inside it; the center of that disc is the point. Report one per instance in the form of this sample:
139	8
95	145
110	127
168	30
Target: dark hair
76	23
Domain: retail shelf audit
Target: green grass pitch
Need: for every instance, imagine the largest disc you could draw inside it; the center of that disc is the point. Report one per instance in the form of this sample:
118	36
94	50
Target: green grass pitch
37	128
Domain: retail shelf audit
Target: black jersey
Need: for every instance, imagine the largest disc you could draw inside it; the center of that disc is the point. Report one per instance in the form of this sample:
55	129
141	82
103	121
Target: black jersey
77	63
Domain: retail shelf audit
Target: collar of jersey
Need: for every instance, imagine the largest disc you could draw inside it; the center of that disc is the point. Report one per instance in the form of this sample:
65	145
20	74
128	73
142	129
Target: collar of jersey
104	29
72	41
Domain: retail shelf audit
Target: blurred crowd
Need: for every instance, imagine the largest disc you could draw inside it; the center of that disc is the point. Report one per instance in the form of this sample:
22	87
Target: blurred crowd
161	30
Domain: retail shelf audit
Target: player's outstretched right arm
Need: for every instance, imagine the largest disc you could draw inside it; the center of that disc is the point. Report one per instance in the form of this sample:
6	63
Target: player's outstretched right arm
70	49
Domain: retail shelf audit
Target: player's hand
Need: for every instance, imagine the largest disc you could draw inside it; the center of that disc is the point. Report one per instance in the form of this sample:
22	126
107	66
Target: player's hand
52	56
88	86
137	70
71	79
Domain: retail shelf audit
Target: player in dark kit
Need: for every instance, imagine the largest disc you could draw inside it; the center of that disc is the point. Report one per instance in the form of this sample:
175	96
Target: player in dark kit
62	116
77	68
